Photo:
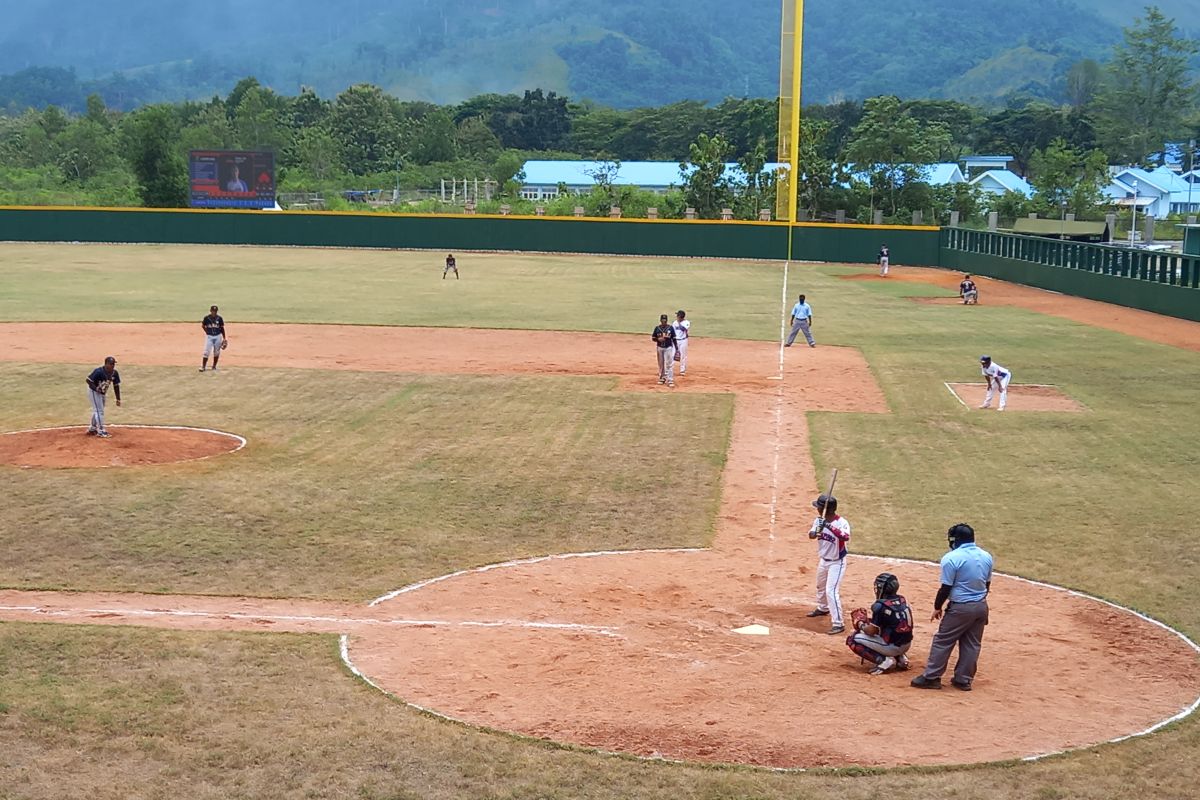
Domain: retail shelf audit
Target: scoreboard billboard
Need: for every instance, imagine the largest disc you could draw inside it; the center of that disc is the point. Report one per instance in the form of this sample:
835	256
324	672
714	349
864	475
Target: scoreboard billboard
231	179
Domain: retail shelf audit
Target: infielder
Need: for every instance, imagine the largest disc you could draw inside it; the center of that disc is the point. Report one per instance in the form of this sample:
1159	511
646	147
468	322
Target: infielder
997	378
968	291
664	339
832	533
884	634
884	258
682	327
98	382
214	338
451	265
802	318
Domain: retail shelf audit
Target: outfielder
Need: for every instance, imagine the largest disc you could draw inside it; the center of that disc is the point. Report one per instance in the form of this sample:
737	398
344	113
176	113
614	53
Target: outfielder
884	634
832	533
664	339
997	378
98	382
214	338
451	265
884	259
682	327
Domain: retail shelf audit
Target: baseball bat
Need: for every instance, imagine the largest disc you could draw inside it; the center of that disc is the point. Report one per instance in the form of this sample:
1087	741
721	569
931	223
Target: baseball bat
832	483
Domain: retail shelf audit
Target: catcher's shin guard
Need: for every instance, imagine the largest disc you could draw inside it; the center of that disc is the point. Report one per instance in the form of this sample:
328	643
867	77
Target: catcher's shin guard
862	651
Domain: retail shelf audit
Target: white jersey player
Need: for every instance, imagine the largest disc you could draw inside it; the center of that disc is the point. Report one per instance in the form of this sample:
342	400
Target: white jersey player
832	533
997	378
683	327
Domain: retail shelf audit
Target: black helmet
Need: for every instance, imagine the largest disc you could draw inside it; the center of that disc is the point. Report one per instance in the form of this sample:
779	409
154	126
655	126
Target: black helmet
886	584
960	534
826	504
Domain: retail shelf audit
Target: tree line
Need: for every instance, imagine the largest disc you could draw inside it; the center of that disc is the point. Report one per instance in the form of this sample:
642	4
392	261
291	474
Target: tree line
1120	112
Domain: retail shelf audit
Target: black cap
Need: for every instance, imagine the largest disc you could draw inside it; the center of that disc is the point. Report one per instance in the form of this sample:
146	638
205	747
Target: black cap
109	360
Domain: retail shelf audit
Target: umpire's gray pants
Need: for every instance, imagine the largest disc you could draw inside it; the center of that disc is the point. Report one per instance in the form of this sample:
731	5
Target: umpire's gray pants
963	625
797	326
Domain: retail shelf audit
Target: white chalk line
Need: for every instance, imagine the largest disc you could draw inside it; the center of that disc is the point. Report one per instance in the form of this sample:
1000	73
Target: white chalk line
603	630
954	394
774	506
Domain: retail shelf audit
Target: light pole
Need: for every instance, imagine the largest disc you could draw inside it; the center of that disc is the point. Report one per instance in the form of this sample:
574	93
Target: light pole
1133	226
1191	172
1062	229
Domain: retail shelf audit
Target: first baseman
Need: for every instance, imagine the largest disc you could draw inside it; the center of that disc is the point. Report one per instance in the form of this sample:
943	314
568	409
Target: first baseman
214	338
832	533
997	378
664	340
451	264
98	382
683	330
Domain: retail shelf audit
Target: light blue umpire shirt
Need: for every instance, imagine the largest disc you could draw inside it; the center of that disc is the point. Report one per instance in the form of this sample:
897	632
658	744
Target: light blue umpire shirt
967	569
802	311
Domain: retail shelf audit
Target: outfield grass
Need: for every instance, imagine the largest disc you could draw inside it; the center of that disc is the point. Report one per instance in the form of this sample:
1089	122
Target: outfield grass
448	472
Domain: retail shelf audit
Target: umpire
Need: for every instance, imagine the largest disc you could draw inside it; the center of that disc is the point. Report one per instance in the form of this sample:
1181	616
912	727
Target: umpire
966	580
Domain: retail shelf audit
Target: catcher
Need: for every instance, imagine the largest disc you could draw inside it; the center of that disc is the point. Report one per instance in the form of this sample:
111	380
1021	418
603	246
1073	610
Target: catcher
214	338
883	634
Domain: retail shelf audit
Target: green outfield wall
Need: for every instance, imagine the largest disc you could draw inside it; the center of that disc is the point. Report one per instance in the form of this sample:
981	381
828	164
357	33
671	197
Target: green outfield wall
1165	283
687	238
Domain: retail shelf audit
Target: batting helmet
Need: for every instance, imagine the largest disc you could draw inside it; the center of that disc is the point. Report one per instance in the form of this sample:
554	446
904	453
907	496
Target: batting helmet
960	534
825	503
886	584
984	359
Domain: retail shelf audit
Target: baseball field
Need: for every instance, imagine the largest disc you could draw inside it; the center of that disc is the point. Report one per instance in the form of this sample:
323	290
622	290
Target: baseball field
373	596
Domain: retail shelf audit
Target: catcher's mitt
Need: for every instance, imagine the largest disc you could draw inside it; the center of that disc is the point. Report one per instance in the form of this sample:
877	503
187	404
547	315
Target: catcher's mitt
859	617
224	343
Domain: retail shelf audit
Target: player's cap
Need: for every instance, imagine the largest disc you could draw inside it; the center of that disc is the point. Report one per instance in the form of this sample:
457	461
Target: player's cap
212	308
984	359
109	360
663	318
681	313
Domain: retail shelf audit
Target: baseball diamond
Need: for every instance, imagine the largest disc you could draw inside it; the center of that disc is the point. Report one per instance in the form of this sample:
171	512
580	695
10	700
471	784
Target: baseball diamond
498	529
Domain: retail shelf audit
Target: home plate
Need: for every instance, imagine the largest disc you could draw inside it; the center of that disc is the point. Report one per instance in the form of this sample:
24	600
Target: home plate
753	630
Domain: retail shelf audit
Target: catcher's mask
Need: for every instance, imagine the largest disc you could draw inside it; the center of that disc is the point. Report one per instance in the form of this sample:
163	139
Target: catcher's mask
886	584
825	504
960	534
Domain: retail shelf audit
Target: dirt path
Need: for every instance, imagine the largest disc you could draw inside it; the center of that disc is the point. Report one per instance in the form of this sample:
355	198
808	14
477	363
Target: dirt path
1142	324
634	652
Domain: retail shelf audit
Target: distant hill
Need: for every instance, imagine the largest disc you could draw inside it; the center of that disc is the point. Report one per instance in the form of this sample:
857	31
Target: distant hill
623	53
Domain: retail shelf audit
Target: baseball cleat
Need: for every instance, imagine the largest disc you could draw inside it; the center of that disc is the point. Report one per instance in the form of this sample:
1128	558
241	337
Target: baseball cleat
202	369
883	666
965	687
671	384
816	612
836	629
104	435
902	663
921	682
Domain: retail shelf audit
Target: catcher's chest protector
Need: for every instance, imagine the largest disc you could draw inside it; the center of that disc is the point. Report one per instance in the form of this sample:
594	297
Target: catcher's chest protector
895	611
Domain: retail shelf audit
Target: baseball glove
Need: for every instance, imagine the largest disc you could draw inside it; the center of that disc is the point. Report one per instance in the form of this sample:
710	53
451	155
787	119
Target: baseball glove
224	343
859	617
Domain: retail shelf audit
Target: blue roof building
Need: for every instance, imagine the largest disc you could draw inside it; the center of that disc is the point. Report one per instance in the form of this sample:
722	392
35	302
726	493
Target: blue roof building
1159	192
974	165
1001	181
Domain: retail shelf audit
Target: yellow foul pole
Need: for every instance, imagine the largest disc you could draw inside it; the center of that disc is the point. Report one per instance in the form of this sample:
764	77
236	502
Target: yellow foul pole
791	50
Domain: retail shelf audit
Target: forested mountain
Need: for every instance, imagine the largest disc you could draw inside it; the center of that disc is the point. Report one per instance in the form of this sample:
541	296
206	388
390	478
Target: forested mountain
621	53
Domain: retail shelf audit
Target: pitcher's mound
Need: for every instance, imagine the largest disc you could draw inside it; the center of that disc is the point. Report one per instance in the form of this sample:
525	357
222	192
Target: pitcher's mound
129	446
1026	397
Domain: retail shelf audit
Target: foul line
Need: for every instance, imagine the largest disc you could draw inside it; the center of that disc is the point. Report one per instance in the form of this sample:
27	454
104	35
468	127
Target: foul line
603	630
774	505
954	394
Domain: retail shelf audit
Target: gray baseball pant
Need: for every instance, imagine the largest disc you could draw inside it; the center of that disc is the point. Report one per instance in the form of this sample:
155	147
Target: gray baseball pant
666	364
880	646
962	625
800	325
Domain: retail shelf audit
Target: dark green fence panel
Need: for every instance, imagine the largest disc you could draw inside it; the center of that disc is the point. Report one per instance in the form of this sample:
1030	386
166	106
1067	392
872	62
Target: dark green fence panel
859	244
1165	283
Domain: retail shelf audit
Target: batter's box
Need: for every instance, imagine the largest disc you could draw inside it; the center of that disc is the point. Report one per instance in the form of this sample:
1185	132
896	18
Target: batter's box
1021	397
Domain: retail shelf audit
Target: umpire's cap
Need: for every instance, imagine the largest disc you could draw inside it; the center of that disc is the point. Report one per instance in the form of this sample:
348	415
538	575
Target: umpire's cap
825	503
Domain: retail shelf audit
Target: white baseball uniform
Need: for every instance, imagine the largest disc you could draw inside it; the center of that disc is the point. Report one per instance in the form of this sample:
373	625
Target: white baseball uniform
999	376
682	330
831	565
